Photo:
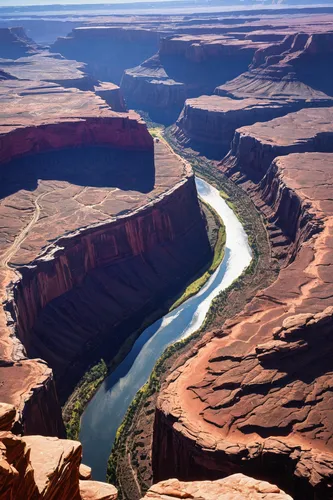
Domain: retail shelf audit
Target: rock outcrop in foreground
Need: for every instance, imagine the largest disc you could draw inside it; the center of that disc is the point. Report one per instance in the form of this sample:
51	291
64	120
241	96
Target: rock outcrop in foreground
235	487
38	467
256	396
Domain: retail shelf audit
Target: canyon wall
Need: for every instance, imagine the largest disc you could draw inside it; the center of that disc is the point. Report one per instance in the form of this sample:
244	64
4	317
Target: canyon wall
208	123
277	83
116	131
252	148
185	66
254	397
108	50
108	278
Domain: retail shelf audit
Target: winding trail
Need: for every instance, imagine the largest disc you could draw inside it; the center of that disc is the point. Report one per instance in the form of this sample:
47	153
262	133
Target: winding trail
23	234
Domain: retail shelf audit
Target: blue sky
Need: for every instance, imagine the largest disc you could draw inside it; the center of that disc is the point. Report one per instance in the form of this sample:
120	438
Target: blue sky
12	3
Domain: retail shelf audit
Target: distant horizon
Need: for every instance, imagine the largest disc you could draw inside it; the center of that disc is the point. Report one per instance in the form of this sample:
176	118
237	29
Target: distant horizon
47	3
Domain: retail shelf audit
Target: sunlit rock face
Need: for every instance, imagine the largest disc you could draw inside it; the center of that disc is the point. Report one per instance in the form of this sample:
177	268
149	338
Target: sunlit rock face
36	467
234	487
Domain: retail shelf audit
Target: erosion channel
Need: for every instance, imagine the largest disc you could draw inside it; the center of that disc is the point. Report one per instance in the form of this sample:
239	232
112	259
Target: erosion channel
107	409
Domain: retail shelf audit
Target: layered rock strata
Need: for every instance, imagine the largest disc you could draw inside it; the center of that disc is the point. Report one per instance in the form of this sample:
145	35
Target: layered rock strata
208	123
255	397
277	83
185	66
254	147
69	232
235	487
46	67
38	467
295	68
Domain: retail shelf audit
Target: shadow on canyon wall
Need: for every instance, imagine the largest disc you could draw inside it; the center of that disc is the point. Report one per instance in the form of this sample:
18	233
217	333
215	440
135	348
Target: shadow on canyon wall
95	166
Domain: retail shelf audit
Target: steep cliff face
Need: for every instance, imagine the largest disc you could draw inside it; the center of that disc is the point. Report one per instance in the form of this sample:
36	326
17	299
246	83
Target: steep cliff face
246	398
107	280
185	66
108	51
233	488
149	87
118	131
295	68
208	123
253	148
37	467
14	43
111	94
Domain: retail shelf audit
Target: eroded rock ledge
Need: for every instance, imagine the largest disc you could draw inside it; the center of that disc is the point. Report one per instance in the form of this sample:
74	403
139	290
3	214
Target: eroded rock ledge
256	396
38	467
234	487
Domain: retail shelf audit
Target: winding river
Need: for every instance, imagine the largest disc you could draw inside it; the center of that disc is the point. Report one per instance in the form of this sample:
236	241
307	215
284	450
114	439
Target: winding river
107	409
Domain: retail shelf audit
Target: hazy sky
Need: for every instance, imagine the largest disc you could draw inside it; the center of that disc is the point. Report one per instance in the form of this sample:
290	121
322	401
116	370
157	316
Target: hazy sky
12	3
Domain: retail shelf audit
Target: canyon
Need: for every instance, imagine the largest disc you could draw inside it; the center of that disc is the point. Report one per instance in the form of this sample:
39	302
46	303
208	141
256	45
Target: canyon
101	228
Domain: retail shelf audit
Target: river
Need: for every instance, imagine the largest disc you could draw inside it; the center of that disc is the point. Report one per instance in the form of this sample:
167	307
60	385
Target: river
106	410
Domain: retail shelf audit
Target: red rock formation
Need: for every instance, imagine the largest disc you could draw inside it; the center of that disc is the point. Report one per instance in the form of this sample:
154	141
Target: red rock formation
282	71
185	66
254	147
235	487
95	490
37	467
208	123
256	397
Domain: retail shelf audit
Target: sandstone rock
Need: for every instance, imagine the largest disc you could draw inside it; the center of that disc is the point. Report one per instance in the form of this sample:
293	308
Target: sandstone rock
62	225
95	490
84	472
108	50
45	67
56	466
111	95
7	416
235	487
281	71
37	467
254	147
208	123
185	66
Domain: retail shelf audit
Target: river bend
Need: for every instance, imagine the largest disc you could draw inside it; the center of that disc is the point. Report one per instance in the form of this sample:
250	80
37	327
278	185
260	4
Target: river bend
106	410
